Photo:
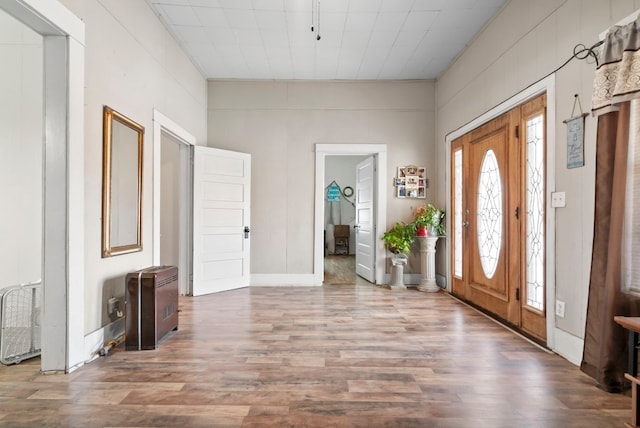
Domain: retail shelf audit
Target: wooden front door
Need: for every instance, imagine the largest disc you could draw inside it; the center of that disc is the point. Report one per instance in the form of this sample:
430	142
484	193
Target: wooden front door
496	200
491	201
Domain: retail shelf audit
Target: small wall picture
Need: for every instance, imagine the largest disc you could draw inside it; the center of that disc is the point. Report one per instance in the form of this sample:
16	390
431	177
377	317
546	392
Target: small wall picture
411	182
575	142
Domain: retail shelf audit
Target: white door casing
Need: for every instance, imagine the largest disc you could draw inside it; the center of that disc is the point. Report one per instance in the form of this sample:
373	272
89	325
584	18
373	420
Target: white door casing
221	220
365	219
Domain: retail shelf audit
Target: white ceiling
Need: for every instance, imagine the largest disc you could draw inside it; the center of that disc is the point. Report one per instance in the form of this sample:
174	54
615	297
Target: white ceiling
360	39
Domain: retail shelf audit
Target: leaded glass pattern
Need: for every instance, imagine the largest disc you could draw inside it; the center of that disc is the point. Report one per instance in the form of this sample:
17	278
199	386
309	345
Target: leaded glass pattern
457	216
535	212
489	213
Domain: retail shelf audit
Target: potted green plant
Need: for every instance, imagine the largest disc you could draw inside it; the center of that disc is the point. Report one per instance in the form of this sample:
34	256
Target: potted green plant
398	241
399	238
429	221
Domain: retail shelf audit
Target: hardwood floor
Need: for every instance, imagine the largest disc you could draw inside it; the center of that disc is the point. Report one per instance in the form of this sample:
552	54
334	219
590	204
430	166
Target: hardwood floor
340	270
332	356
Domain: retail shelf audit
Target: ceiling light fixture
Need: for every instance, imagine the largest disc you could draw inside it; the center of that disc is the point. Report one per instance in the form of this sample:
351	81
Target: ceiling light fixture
315	18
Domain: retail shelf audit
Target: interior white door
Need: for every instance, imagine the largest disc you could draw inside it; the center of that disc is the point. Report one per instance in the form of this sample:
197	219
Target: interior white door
221	220
365	223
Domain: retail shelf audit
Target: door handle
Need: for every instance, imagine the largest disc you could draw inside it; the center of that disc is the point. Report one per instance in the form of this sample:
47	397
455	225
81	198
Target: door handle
356	226
246	232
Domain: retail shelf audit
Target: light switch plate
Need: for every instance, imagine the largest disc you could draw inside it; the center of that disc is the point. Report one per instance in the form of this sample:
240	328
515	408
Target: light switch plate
558	200
560	308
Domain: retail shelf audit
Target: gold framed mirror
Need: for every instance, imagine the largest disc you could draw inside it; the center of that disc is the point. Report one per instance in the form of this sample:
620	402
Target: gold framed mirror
121	184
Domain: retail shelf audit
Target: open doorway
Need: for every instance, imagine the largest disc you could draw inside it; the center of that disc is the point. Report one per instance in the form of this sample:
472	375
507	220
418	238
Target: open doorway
337	157
184	183
21	126
172	239
62	170
340	219
21	187
175	191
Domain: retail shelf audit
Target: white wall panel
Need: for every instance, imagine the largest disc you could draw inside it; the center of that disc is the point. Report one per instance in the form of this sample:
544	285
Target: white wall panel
230	192
230	167
222	269
214	217
222	243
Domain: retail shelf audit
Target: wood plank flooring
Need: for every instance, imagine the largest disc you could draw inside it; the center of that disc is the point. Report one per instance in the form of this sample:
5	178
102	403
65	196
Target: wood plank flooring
340	270
332	356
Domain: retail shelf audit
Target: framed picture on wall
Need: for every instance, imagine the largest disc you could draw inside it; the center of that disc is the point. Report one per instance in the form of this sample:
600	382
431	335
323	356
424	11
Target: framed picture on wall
411	182
575	141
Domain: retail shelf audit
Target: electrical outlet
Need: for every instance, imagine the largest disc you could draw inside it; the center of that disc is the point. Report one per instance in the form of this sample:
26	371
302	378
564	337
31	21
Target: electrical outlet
558	200
112	305
560	308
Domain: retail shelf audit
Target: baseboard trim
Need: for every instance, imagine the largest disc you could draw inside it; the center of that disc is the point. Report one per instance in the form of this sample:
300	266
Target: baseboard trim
568	346
413	279
283	280
95	340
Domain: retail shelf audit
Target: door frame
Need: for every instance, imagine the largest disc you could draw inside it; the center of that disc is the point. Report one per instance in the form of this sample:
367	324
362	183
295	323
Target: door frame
162	124
379	151
545	85
63	270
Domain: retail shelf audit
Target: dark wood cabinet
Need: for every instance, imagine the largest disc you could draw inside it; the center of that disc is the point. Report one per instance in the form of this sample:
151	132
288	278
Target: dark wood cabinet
151	306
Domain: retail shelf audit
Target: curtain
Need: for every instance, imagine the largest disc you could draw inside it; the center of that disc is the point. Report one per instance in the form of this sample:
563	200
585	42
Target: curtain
604	356
618	74
617	81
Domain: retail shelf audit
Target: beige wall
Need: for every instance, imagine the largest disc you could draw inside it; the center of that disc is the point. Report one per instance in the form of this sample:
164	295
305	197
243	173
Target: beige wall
133	65
279	123
525	42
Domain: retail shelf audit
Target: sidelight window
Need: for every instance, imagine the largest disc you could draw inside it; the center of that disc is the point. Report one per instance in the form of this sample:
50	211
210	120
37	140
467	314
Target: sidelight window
535	212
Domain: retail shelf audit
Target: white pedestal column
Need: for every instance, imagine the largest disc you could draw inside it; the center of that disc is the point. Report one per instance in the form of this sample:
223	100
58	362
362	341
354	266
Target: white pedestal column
397	273
428	264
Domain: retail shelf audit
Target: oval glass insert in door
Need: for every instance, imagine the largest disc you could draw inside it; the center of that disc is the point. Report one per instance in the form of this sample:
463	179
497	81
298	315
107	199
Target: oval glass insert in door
489	213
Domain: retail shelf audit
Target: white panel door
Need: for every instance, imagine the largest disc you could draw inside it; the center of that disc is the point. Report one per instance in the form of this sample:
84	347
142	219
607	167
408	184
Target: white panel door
364	226
221	215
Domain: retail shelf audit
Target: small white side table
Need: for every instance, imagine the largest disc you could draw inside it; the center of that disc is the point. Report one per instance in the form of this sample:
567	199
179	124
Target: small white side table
428	264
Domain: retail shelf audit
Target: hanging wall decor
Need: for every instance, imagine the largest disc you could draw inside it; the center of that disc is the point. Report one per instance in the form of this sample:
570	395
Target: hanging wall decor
333	192
411	182
575	136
